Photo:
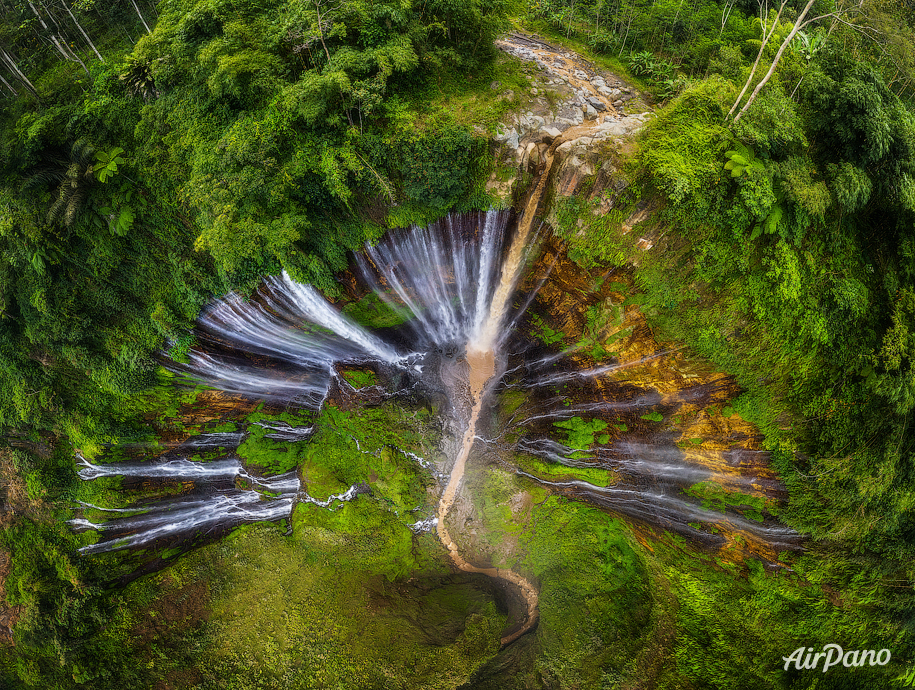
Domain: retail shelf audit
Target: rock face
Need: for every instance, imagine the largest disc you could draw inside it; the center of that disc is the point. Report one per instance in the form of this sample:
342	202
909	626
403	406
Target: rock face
578	101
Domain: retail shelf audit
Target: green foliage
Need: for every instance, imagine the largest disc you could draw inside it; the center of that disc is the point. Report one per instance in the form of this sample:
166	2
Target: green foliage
558	472
742	161
300	611
581	434
437	167
108	162
683	144
360	379
546	334
373	312
368	447
793	275
268	456
716	497
851	185
596	612
892	375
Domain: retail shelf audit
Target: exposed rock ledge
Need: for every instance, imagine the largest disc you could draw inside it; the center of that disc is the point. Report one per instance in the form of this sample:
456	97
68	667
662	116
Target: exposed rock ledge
572	94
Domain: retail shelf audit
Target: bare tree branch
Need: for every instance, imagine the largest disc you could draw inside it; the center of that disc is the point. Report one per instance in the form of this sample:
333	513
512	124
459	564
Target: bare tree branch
762	48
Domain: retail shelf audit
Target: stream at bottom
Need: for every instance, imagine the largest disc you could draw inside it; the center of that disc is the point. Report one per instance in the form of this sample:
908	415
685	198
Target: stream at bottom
529	361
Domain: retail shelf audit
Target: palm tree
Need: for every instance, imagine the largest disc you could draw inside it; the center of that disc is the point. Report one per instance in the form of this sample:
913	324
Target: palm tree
73	177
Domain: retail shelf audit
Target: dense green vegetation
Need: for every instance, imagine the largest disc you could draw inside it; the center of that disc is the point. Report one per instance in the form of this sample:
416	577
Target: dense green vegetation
783	253
153	156
234	140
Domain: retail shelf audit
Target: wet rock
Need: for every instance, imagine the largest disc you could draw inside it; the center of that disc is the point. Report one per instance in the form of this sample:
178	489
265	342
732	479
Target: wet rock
534	159
597	104
508	136
572	115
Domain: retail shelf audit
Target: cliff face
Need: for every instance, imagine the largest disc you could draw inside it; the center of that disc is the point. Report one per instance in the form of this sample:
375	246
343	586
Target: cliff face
597	113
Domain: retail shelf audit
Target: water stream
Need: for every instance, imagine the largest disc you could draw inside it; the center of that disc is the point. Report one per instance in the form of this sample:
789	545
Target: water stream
454	283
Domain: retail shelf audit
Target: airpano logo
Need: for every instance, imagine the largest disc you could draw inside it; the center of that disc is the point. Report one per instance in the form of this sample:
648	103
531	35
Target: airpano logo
832	655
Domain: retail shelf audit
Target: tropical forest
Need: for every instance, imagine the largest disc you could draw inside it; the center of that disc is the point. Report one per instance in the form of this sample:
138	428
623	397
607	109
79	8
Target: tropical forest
457	344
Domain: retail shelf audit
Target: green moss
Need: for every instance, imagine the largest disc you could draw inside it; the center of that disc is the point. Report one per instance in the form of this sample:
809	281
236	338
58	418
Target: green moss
555	471
360	379
716	497
303	612
267	455
373	312
543	332
581	434
368	446
511	400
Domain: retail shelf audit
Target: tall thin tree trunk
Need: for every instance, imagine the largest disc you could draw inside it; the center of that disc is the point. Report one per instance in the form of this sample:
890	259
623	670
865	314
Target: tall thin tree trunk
58	43
85	35
626	35
7	84
725	15
571	17
317	4
798	25
14	68
76	58
148	30
762	48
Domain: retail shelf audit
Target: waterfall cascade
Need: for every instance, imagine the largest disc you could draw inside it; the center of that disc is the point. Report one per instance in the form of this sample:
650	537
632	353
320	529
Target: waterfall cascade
453	283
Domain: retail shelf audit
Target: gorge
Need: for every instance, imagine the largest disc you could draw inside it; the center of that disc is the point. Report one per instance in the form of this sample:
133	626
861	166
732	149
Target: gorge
455	345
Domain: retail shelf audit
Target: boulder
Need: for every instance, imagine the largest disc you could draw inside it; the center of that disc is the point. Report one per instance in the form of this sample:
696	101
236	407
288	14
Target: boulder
574	168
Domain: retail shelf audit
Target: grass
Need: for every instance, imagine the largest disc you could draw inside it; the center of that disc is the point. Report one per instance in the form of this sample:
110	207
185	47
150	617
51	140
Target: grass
275	612
268	456
360	379
478	101
368	446
593	586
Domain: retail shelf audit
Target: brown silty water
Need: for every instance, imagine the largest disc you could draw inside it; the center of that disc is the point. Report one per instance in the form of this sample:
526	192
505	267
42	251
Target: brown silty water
481	367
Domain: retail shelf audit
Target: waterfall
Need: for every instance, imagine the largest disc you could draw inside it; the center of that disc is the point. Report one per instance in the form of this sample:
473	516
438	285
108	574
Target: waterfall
453	284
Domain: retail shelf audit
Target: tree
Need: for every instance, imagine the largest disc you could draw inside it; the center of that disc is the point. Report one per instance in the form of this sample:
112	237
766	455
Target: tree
801	23
140	15
7	59
798	25
57	41
766	35
7	85
74	177
81	30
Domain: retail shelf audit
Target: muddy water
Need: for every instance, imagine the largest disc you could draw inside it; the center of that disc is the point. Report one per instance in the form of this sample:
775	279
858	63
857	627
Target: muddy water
481	367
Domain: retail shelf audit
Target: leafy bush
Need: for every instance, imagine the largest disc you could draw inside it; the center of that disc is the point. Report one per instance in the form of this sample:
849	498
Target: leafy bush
683	145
